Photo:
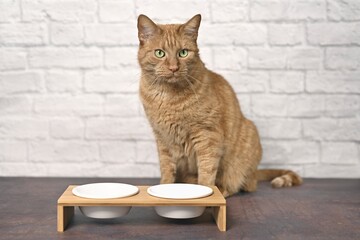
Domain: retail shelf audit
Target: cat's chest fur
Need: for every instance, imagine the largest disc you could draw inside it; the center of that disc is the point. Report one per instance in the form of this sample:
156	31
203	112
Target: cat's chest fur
170	118
180	116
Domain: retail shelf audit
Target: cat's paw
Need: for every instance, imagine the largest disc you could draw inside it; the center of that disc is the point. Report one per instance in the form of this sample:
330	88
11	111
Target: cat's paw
206	182
225	193
283	181
166	181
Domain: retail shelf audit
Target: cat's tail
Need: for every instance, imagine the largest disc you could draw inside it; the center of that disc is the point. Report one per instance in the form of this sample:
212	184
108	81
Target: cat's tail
279	177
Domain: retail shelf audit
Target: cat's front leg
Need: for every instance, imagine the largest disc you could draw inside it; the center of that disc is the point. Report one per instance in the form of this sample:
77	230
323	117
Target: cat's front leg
167	163
207	169
208	153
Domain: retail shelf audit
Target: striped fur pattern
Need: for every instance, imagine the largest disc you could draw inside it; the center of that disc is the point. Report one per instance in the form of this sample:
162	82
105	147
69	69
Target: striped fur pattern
201	134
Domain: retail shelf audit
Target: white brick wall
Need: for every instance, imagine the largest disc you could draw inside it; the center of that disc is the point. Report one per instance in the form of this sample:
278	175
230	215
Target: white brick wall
69	78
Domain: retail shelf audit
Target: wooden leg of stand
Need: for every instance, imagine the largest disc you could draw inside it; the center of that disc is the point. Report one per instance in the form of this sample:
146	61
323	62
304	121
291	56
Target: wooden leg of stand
64	216
219	214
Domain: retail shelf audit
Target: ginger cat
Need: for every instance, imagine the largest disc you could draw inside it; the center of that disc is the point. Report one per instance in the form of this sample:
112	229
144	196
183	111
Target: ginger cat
201	134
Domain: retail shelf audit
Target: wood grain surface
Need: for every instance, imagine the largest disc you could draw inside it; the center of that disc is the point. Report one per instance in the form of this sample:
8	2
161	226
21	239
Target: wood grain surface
140	199
68	200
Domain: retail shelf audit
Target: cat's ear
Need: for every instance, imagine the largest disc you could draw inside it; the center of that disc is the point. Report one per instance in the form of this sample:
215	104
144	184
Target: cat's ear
191	27
146	28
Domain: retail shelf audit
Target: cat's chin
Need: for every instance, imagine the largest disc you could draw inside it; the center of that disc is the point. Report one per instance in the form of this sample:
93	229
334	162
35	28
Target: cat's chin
172	79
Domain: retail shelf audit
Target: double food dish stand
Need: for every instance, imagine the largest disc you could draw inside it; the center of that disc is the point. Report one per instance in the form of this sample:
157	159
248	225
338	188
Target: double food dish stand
67	203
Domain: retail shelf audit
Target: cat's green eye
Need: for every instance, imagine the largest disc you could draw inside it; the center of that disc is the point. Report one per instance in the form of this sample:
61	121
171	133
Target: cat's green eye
183	53
159	53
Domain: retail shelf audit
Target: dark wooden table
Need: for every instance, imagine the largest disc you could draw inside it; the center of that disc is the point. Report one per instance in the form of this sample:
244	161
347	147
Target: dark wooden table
319	209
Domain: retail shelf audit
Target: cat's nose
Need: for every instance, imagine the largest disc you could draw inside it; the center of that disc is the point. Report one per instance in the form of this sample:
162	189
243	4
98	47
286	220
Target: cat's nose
173	68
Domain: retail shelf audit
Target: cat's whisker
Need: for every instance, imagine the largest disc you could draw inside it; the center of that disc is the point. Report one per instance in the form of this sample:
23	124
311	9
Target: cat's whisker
155	80
192	88
135	80
197	80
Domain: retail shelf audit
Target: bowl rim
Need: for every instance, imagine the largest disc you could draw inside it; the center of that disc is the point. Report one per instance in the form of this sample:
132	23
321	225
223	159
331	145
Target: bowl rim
130	190
206	191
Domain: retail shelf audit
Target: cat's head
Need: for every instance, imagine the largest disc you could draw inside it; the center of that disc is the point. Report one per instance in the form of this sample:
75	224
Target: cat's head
168	52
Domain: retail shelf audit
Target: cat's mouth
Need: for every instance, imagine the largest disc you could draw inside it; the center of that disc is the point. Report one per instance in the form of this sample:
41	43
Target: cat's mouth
172	78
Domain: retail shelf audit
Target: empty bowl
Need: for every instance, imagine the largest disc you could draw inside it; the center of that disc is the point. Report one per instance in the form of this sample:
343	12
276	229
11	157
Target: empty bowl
179	212
104	212
105	191
179	191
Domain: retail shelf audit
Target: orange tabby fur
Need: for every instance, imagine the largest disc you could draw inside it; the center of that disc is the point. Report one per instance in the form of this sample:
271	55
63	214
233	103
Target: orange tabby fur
201	134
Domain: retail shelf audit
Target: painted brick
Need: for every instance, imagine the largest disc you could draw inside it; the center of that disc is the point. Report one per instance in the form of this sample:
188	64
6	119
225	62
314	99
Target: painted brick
65	58
24	128
63	81
73	169
64	151
238	34
20	82
10	10
245	82
229	11
290	152
274	58
230	58
320	128
336	171
147	152
71	128
111	34
305	106
333	33
249	34
279	128
12	59
118	151
274	10
59	10
81	105
340	153
118	128
342	58
179	12
347	10
287	82
122	105
342	105
116	10
280	58
269	105
130	170
121	57
305	58
66	34
286	34
15	169
13	151
112	81
332	129
206	55
22	34
15	105
333	82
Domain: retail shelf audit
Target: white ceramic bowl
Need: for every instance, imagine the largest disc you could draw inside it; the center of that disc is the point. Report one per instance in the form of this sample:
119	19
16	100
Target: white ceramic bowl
179	191
179	212
104	212
105	191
